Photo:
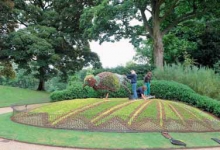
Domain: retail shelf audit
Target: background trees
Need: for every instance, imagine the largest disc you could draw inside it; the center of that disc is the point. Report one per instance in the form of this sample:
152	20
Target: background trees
7	25
112	19
49	39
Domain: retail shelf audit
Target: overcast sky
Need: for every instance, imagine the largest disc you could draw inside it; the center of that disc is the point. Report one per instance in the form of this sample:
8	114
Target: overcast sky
113	54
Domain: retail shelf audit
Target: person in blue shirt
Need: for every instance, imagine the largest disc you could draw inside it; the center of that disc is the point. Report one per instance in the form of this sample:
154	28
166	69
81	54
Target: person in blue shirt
140	92
133	78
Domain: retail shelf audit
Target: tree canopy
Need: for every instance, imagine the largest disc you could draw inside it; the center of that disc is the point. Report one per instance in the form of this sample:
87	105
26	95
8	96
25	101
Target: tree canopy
49	39
111	20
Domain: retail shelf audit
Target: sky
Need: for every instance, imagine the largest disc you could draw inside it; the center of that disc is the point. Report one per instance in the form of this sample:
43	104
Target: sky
114	54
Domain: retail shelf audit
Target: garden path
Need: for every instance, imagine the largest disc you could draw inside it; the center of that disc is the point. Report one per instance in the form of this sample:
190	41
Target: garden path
14	145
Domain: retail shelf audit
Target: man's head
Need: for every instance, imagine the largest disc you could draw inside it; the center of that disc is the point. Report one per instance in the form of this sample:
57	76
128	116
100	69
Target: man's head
144	88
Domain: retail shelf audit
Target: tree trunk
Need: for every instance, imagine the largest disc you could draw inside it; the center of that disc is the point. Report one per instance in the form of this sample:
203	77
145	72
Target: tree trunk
158	45
41	85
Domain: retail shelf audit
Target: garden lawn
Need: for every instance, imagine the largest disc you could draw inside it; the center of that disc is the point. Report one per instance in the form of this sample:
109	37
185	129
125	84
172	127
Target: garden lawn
13	95
106	140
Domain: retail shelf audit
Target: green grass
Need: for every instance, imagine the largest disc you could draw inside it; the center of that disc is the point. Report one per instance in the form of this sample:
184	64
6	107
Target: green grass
95	140
13	95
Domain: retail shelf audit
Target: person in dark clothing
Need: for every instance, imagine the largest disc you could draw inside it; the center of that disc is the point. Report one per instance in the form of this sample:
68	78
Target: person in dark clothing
133	78
147	80
140	92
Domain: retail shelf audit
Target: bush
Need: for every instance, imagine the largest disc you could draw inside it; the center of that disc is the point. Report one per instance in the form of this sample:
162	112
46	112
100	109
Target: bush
169	89
74	91
176	91
202	80
55	84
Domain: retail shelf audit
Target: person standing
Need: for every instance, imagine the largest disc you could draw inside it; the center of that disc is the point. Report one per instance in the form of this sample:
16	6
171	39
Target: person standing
133	78
147	80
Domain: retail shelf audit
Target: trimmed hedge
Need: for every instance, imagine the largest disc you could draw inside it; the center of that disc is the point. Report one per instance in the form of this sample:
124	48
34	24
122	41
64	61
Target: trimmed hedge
176	91
75	91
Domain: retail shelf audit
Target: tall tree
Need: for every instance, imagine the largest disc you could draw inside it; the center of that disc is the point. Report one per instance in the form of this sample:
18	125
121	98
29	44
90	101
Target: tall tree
50	41
7	25
112	19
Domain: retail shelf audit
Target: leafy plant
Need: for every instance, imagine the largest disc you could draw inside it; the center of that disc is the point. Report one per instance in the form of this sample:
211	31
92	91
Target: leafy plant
202	80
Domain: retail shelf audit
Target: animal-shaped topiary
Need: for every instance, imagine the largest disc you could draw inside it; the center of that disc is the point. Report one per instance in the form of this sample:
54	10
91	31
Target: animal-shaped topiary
107	81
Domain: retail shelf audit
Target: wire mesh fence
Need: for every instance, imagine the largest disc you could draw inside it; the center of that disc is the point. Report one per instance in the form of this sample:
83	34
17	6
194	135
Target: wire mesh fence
22	114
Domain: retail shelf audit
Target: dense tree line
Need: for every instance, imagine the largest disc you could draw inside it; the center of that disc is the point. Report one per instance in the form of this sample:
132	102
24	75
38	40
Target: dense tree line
50	38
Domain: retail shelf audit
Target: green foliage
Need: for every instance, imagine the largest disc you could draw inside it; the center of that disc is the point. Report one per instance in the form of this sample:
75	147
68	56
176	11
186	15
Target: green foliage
179	92
208	51
111	80
202	80
174	48
21	80
188	61
74	91
49	43
55	84
169	89
217	67
109	20
6	70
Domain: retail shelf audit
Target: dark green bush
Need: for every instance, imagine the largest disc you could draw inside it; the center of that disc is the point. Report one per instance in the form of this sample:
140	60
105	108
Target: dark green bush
74	91
169	89
176	91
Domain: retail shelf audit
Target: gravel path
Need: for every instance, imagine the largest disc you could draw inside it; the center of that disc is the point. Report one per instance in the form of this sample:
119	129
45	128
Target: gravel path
14	145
